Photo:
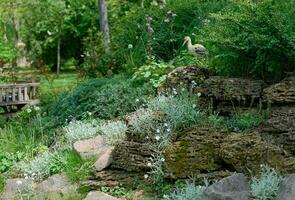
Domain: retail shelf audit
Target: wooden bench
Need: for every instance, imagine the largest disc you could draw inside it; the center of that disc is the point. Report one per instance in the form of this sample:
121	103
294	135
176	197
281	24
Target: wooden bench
18	95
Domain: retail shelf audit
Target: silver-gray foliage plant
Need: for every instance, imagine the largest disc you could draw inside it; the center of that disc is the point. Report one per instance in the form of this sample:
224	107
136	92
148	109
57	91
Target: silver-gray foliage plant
266	186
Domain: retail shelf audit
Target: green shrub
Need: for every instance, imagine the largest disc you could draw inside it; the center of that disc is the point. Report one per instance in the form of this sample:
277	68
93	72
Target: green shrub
253	37
190	191
104	98
245	121
266	186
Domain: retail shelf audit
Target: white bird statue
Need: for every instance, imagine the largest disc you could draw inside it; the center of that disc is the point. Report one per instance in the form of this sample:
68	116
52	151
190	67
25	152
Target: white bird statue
196	49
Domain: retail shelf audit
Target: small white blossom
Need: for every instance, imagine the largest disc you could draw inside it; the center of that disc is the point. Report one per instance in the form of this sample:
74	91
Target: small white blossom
166	124
168	129
199	94
183	89
167	20
169	12
19	182
49	33
174	15
147	137
157	138
146	176
163	159
149	164
29	110
130	46
158	130
37	108
137	100
174	92
194	105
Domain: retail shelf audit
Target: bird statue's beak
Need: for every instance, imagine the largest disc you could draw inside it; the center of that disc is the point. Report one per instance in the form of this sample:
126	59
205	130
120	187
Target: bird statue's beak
185	41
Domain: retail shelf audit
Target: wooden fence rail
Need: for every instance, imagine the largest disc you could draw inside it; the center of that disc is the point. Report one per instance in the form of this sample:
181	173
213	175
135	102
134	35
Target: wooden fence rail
17	94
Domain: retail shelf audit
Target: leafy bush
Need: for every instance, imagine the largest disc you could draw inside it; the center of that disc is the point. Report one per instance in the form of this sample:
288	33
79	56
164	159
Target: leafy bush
266	186
253	37
114	131
190	191
154	72
104	98
7	160
79	130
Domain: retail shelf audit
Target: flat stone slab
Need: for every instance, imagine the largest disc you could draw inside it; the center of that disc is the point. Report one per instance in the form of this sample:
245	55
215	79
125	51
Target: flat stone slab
234	187
287	188
104	160
16	188
96	195
90	148
55	187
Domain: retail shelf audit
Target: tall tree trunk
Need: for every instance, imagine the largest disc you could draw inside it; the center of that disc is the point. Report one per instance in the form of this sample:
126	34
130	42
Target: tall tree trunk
104	23
58	56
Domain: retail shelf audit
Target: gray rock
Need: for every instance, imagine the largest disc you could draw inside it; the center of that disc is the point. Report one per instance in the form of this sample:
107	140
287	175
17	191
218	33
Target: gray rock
96	195
287	188
55	187
90	148
16	188
234	187
104	160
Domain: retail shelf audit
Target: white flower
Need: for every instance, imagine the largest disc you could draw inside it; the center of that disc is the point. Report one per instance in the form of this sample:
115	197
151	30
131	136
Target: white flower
174	15
147	137
37	108
146	176
29	110
166	124
194	82
158	130
199	94
182	89
19	182
193	34
137	100
49	33
163	159
130	46
167	20
157	138
161	7
149	164
169	12
168	129
89	113
194	105
174	92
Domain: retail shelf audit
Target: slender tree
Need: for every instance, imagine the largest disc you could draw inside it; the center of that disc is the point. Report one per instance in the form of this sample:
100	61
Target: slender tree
104	23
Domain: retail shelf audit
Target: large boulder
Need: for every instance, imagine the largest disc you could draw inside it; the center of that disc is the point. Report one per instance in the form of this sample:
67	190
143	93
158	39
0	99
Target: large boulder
132	156
244	152
235	91
55	187
96	195
196	151
234	187
104	160
279	128
188	76
17	188
287	188
282	92
90	148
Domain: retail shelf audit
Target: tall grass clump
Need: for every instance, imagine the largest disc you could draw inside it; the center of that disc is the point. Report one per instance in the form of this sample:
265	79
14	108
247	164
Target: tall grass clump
181	109
266	186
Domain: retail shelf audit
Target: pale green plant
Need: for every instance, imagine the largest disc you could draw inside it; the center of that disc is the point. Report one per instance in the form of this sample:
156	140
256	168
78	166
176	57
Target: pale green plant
181	109
114	131
38	168
191	191
266	186
79	130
